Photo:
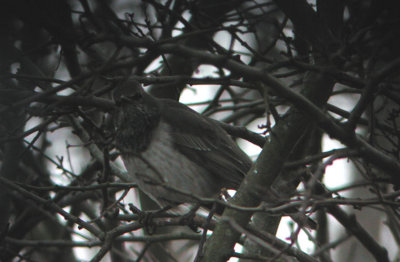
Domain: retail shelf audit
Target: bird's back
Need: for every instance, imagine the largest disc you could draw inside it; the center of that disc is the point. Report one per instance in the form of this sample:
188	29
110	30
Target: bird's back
206	143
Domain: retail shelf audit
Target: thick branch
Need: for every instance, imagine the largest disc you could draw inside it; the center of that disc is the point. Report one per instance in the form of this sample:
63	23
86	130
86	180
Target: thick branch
285	135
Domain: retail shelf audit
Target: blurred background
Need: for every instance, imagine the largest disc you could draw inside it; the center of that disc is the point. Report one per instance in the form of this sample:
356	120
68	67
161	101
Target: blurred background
63	186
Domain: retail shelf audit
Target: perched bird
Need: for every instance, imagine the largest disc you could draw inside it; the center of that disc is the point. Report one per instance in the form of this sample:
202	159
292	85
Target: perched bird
172	152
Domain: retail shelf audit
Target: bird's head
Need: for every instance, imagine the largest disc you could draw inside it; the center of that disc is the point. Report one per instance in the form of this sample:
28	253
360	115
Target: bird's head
128	92
130	96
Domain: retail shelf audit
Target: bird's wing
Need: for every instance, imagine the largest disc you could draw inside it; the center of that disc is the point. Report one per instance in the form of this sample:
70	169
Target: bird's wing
206	143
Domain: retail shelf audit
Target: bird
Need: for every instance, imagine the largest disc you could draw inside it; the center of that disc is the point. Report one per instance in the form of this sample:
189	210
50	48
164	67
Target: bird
173	153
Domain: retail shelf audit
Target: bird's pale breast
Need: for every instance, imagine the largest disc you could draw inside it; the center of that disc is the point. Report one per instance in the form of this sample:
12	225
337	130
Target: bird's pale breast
162	172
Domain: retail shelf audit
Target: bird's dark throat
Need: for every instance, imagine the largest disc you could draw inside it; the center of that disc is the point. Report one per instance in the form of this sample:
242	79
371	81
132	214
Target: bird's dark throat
135	127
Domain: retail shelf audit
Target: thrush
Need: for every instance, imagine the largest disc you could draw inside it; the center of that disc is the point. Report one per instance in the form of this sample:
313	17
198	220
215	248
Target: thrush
172	152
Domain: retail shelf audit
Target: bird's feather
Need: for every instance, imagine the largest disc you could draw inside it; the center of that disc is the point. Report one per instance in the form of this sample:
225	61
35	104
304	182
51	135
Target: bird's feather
205	143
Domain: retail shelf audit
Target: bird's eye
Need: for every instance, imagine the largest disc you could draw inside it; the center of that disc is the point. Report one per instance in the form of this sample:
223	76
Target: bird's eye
136	96
128	99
